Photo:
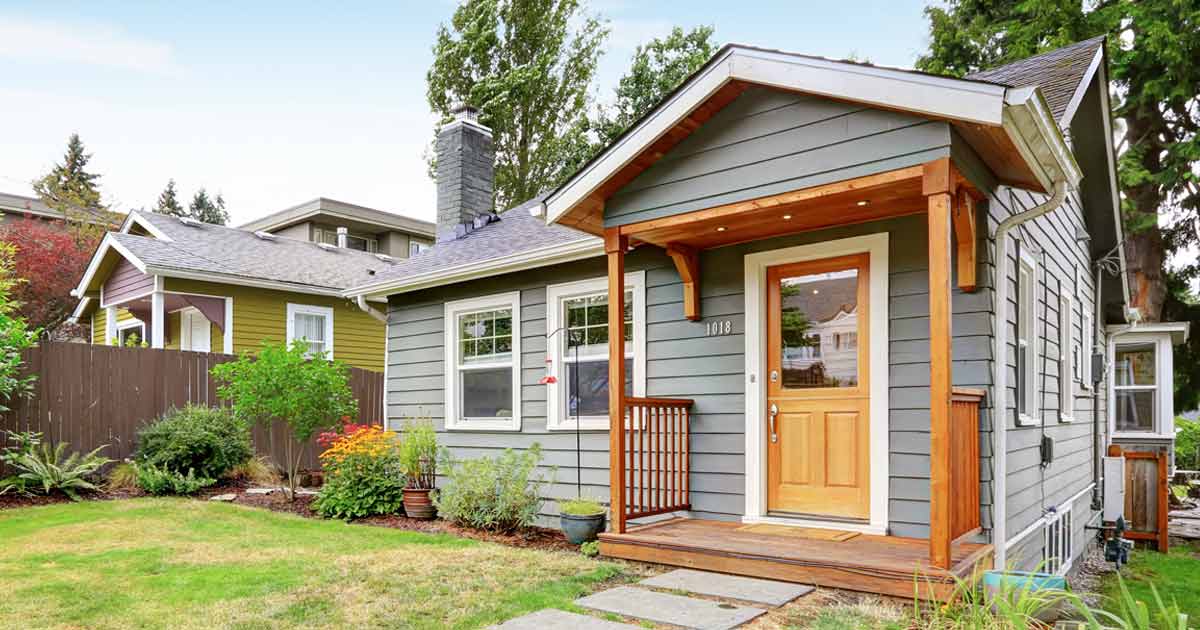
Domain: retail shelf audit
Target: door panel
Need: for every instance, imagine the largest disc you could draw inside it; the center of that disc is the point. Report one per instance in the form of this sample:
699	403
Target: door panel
818	426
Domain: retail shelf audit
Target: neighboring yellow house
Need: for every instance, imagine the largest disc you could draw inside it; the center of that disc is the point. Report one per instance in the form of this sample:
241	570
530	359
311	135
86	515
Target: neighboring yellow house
180	284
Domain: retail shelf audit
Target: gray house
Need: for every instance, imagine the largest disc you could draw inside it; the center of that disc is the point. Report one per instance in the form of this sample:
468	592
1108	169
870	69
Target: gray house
794	265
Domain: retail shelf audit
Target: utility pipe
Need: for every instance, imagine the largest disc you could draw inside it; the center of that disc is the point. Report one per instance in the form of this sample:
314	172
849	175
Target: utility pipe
1000	361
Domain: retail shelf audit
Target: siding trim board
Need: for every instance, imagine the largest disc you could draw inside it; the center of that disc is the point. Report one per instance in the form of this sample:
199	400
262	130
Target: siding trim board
876	245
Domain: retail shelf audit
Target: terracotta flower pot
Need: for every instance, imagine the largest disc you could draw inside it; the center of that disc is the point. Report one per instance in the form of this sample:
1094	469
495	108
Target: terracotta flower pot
417	503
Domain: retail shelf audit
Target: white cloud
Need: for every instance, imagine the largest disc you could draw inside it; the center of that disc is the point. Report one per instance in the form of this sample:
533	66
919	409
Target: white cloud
91	44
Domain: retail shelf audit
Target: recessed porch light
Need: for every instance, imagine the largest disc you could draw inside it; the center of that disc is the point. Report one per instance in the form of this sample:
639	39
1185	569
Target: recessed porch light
721	229
863	202
787	217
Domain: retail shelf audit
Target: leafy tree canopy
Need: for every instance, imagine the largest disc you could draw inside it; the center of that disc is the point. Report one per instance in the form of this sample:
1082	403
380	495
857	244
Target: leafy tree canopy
15	335
527	65
208	210
49	260
658	67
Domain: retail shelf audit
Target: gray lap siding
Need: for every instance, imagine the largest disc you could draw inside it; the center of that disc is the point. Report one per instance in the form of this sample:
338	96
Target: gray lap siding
683	362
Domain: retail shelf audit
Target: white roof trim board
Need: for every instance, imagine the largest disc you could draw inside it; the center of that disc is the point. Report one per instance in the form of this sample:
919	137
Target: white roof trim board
1021	112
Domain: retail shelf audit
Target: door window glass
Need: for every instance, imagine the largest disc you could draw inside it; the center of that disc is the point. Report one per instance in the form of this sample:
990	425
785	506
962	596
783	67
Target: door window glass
819	329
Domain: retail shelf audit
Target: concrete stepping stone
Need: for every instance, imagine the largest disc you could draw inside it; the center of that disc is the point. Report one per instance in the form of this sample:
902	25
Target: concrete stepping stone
553	619
686	612
746	589
223	497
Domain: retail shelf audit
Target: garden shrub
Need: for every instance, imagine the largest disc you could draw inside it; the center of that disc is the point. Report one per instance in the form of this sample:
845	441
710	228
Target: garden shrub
157	480
207	440
363	473
500	494
256	470
418	454
41	468
122	477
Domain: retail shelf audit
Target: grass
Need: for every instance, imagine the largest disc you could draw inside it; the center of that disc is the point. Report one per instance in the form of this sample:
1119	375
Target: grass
1173	574
172	563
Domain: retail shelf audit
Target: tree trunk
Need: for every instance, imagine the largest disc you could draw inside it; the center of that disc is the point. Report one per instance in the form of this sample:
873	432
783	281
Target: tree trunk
1145	251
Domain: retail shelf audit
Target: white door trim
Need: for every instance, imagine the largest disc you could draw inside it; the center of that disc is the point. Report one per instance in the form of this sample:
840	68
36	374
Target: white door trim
876	245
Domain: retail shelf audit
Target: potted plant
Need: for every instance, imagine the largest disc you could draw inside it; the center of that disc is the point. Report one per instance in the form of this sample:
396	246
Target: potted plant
581	519
418	459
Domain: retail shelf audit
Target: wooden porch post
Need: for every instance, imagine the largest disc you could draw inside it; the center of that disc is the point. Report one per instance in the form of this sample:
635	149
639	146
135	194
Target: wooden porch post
938	185
615	245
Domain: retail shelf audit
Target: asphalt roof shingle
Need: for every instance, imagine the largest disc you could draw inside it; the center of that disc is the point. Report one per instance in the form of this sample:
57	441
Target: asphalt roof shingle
231	251
1057	72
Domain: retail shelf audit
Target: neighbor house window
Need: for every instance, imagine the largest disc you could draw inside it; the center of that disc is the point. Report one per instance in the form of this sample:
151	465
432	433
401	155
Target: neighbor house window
1067	353
578	353
416	247
353	241
1058	547
131	332
483	363
1027	394
313	325
1135	387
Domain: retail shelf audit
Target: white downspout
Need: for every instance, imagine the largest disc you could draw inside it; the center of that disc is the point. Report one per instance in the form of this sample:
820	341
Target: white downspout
361	301
1000	361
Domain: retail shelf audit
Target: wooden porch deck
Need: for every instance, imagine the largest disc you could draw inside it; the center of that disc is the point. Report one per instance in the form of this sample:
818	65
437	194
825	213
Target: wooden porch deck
886	565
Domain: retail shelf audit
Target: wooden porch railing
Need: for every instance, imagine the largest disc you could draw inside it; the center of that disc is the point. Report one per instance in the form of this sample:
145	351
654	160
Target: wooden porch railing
655	462
964	468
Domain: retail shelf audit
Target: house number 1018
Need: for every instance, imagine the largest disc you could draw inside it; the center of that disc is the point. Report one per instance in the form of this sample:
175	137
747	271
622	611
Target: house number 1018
719	327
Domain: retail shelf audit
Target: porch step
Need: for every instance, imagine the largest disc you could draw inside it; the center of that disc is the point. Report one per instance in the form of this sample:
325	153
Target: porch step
553	619
685	612
745	589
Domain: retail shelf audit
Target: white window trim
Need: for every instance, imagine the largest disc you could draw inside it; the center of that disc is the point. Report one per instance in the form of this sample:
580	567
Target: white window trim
1064	521
1066	359
556	393
1164	421
1033	394
310	309
452	311
126	325
1086	331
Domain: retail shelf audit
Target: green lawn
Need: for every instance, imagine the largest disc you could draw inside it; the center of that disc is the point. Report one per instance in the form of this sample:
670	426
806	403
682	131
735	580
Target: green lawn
1174	575
169	563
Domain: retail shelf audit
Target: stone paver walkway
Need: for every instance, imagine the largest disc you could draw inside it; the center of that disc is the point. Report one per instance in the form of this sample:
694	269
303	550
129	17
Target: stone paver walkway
746	589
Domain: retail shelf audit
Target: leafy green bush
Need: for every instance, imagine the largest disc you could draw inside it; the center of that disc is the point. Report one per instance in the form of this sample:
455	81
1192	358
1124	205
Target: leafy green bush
496	494
156	480
363	474
590	548
207	440
1187	444
42	469
580	507
418	454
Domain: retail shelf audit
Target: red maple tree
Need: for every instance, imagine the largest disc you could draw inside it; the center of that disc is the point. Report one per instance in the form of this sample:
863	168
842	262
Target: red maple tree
50	259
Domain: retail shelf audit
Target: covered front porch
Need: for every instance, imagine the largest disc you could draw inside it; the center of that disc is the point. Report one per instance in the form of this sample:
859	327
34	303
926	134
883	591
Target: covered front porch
816	417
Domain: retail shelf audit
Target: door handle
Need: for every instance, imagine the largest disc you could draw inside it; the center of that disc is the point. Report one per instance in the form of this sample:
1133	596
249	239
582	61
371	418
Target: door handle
774	412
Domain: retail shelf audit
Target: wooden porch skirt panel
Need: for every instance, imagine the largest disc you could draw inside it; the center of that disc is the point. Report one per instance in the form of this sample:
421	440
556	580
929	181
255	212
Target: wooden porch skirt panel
885	565
964	461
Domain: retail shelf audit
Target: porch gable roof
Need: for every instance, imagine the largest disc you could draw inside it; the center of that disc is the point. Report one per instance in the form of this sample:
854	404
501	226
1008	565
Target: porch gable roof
1013	128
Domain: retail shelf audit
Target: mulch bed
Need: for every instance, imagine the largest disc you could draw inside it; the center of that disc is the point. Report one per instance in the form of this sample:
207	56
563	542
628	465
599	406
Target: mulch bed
13	500
530	538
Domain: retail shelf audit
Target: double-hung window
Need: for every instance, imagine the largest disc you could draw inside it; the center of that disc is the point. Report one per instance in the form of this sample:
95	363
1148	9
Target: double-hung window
1135	387
1067	353
131	333
314	326
578	352
1027	393
483	363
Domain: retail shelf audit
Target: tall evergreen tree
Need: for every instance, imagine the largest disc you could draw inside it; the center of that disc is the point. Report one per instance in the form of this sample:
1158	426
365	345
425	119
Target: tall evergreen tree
73	190
208	210
1154	57
168	202
527	65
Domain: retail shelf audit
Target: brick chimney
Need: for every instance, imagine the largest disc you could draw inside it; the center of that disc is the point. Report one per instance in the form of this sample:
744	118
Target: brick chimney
465	162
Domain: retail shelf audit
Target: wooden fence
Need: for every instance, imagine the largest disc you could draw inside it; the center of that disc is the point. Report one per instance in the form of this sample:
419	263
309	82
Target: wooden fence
90	395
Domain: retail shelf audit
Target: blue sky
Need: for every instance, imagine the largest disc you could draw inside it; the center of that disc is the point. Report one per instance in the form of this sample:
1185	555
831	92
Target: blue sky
276	103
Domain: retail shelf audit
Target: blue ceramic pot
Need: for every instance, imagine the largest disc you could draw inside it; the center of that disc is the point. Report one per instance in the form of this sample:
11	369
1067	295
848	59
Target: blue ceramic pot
581	529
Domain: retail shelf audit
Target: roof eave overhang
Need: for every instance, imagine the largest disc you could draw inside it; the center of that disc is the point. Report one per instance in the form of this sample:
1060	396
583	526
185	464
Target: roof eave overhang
1022	113
566	252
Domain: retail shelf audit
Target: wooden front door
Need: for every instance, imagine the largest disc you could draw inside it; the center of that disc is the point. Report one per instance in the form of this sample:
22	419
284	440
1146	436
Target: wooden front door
818	429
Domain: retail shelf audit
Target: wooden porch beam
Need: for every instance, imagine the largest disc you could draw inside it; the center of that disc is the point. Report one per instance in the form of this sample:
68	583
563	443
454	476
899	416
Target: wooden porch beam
938	185
966	239
615	245
687	263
